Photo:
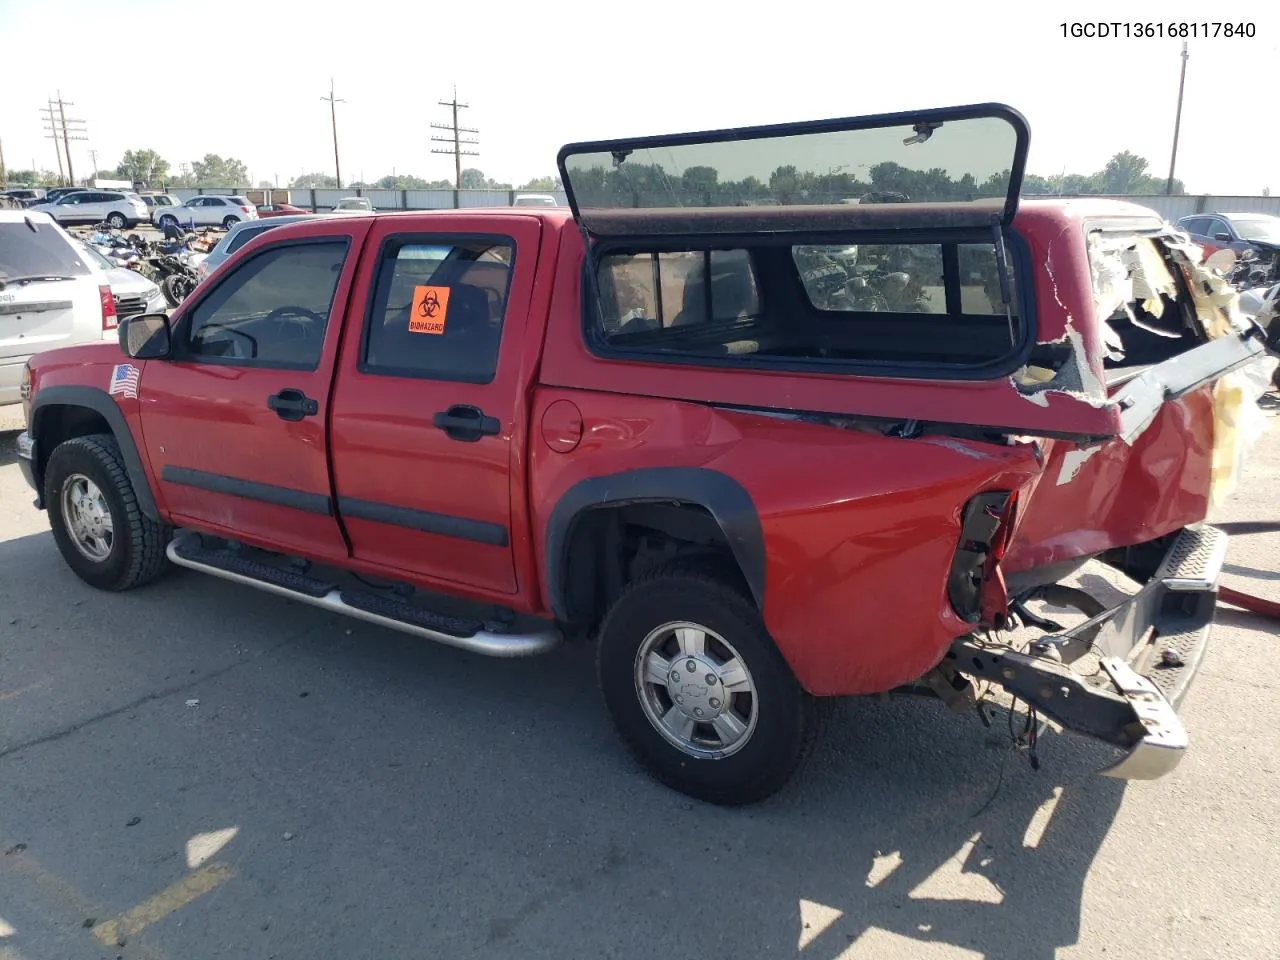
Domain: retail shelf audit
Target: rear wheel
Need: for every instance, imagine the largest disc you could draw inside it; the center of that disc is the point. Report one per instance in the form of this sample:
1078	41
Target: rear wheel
117	221
95	518
699	691
230	222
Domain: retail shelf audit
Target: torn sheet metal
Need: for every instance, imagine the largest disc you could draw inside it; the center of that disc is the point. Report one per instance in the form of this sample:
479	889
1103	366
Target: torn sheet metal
1128	270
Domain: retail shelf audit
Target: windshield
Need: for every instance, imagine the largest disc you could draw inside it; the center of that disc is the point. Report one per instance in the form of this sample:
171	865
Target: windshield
41	252
939	157
1266	229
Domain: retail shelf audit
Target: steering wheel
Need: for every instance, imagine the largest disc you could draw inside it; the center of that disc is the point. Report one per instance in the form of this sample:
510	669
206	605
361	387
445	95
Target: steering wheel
301	319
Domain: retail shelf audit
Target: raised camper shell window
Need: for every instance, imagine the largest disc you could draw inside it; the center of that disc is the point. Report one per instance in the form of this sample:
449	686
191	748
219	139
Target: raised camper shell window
905	308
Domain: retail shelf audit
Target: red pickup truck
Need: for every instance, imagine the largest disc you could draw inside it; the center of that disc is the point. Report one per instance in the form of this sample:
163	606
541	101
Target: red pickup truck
762	446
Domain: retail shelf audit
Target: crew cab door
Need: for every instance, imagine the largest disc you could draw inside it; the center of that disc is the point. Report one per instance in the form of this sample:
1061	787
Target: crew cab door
427	403
235	421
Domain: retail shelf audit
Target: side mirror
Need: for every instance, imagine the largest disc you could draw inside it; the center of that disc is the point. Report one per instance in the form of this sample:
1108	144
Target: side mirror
146	337
1224	237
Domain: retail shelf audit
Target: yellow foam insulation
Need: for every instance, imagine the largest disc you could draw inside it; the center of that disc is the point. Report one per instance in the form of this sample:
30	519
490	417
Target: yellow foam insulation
1238	421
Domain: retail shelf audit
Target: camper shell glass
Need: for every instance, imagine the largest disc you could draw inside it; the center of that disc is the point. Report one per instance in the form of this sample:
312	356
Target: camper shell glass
949	168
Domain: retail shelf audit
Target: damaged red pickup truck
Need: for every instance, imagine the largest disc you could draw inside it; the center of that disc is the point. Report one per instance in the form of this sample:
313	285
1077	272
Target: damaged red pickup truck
761	443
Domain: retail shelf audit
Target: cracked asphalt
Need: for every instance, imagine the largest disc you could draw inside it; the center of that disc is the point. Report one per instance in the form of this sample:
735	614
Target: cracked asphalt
197	770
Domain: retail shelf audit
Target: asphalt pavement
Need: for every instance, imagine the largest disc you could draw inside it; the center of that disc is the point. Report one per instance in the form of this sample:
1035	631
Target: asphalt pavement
197	770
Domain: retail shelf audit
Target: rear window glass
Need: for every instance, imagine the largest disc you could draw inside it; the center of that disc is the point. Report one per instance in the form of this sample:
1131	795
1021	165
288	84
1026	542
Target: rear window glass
241	201
903	304
41	252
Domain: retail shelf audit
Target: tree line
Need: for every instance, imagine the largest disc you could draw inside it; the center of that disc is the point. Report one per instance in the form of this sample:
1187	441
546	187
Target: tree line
1125	174
148	167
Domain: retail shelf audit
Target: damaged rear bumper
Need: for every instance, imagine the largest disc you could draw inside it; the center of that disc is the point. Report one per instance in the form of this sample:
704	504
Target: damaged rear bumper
1151	647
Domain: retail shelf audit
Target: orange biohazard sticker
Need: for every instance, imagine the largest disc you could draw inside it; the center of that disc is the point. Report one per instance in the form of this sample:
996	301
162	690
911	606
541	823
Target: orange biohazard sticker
430	307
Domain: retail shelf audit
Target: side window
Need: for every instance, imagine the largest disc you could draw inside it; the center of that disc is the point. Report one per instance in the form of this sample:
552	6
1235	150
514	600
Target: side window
902	278
437	309
271	310
905	304
243	237
1217	226
658	291
214	202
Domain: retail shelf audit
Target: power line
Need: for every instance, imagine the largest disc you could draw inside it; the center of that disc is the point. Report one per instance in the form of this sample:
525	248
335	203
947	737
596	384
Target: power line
456	139
333	118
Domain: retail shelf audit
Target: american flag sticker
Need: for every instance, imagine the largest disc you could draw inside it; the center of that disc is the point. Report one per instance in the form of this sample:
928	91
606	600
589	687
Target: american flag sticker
124	381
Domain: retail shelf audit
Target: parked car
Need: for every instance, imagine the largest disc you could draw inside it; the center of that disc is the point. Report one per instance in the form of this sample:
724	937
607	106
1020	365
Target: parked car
208	210
120	210
534	200
51	295
26	195
353	205
157	202
132	293
280	210
57	193
1240	232
751	478
239	235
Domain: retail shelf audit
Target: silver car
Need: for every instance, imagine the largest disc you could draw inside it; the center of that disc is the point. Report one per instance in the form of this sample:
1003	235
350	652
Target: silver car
131	292
239	235
115	207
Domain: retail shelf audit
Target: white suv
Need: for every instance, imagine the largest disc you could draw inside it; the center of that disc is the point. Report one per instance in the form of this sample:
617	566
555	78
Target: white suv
51	295
208	211
96	206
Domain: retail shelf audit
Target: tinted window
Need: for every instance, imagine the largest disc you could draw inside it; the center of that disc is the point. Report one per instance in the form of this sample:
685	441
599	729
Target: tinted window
1217	226
271	310
904	304
438	308
42	252
110	197
245	235
214	202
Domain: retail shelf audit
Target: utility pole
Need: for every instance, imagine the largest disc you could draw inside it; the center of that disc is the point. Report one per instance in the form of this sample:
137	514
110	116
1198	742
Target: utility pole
333	118
93	155
4	177
53	135
456	138
1177	122
64	128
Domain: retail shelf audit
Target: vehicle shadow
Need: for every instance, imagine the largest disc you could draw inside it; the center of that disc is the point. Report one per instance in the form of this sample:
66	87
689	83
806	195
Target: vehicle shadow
8	447
443	803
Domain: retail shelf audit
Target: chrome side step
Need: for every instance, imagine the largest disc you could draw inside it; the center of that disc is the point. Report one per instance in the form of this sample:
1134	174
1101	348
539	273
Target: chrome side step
383	611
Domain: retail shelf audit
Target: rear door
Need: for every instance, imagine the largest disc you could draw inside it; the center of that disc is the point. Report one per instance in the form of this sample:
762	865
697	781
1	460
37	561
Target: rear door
235	422
429	385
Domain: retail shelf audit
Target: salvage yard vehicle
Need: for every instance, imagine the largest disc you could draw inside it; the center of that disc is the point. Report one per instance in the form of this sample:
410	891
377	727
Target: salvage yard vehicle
761	448
207	211
52	294
117	208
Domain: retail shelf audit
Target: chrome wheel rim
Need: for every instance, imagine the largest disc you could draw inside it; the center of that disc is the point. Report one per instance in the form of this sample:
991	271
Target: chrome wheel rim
696	690
87	517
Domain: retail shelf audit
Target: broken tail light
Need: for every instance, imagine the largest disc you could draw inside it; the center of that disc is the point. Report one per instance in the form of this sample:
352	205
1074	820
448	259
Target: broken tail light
986	524
108	305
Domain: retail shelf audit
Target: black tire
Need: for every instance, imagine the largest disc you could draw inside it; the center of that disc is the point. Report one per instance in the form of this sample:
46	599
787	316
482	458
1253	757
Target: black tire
787	718
230	222
165	221
177	288
137	549
117	221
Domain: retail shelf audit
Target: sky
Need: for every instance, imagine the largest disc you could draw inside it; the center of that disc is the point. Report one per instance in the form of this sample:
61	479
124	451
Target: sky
246	79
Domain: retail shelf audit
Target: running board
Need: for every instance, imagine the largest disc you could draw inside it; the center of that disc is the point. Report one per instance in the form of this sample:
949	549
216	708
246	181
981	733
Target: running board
384	611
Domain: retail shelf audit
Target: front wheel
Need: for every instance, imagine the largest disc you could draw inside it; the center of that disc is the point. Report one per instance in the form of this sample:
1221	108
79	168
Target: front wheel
168	220
100	530
699	691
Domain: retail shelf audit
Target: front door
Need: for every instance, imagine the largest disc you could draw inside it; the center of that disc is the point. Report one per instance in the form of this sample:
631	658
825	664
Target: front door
235	422
428	398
